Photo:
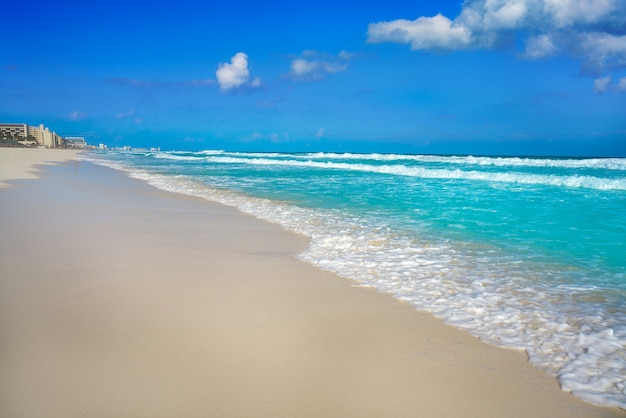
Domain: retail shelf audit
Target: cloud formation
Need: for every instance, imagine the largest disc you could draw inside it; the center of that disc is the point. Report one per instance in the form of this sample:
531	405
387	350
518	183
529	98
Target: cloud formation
129	114
122	115
77	115
273	137
539	46
604	84
314	66
436	32
236	73
593	31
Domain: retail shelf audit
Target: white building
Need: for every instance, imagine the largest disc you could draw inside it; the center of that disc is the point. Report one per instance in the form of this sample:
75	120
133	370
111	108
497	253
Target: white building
45	137
23	132
75	142
14	131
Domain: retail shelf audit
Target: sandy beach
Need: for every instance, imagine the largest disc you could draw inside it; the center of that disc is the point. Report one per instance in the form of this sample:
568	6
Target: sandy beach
19	163
117	299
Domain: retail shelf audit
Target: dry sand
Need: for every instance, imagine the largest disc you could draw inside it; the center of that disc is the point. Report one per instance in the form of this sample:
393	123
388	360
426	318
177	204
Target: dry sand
18	163
117	299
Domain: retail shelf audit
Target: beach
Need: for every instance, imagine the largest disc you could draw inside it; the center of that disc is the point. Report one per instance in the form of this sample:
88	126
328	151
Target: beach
119	299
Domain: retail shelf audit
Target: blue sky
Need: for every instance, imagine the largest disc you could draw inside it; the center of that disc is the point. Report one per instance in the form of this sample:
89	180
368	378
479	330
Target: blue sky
532	77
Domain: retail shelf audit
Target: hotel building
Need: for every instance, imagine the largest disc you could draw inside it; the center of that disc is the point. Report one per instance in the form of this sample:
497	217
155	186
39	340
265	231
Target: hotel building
75	142
25	133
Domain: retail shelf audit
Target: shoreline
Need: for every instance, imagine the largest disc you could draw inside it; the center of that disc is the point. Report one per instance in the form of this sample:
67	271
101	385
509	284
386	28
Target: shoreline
135	301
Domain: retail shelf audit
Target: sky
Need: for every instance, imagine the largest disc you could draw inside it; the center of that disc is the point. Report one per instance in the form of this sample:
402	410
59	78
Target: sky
488	77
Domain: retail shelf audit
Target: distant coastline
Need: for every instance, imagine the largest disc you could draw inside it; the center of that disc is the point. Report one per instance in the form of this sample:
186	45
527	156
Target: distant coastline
22	135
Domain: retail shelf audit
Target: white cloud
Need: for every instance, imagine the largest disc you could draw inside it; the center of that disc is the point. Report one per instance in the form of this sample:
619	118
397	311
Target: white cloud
236	73
131	112
565	13
602	84
271	137
345	55
77	115
592	31
482	22
301	66
539	46
123	115
602	50
489	15
495	14
315	65
509	15
436	32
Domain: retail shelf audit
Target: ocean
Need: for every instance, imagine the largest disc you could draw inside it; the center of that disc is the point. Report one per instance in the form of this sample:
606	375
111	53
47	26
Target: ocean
526	253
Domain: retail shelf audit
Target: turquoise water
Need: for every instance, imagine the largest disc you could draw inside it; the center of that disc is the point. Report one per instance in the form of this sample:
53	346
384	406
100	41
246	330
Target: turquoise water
528	253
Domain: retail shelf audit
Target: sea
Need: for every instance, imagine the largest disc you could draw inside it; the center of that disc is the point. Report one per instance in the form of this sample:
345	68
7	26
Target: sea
525	253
